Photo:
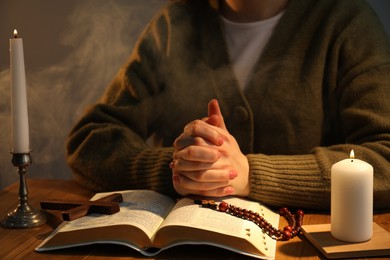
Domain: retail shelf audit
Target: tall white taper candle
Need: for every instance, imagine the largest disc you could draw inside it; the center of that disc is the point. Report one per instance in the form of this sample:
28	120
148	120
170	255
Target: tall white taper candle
20	127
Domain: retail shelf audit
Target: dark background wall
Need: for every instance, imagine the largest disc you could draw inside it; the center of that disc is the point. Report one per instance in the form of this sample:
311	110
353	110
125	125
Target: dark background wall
73	48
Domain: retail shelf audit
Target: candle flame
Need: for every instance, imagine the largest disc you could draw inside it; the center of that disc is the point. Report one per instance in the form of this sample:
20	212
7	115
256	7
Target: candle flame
15	33
352	155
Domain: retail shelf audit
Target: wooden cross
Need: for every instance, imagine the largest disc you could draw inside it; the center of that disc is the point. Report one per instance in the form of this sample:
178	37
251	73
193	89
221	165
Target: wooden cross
77	209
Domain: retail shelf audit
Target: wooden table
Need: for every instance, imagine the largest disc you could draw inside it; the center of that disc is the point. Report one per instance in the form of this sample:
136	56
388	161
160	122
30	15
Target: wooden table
20	243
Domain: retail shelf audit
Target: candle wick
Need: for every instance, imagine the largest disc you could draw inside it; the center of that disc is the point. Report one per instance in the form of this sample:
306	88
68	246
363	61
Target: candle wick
351	160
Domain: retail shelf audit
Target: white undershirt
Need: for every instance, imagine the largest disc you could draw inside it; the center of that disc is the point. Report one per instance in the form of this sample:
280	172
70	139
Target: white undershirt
246	42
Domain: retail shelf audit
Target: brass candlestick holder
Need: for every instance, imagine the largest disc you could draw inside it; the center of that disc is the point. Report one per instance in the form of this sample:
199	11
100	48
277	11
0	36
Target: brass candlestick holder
24	216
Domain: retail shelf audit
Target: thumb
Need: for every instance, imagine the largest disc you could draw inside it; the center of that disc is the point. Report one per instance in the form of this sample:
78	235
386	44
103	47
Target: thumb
215	111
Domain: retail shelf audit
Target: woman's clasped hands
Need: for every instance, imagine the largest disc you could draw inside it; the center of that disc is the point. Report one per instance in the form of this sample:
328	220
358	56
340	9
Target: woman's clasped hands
207	160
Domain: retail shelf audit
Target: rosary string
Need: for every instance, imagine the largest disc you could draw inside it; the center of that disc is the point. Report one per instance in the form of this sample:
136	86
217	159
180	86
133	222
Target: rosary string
293	228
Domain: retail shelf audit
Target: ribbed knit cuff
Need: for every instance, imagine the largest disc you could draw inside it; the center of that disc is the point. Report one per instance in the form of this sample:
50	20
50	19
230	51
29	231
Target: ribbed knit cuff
149	169
292	181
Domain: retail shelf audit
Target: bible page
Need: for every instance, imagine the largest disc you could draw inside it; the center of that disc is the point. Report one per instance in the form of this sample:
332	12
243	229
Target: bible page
186	213
141	208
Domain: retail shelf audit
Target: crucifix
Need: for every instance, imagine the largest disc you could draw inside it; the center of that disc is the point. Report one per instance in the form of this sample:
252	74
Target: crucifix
77	209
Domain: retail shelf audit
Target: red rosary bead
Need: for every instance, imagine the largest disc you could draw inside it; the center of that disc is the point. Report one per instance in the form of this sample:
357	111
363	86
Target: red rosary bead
300	212
283	211
223	206
288	228
286	235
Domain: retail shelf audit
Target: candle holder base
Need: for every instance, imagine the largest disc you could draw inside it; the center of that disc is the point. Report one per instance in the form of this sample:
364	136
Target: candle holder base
320	236
24	216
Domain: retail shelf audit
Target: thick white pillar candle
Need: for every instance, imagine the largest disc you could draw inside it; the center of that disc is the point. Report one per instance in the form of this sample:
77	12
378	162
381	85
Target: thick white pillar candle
352	200
20	128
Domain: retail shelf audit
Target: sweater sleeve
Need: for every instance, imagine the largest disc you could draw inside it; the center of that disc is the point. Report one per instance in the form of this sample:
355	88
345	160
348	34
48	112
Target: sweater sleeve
359	90
108	149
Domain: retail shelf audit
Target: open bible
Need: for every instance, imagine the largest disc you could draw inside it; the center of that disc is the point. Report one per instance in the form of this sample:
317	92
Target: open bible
150	222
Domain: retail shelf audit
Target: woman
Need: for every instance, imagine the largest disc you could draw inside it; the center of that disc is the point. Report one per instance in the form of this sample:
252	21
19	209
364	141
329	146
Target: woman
291	103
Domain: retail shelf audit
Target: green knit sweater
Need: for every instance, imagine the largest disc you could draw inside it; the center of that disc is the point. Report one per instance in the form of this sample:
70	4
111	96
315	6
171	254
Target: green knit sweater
320	89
